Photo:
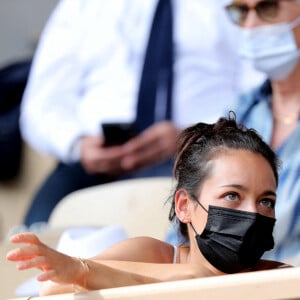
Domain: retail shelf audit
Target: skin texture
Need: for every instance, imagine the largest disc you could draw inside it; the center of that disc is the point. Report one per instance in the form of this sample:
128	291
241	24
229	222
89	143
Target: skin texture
156	144
146	260
286	92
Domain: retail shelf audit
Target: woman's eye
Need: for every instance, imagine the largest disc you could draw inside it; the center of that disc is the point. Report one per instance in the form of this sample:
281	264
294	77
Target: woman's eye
231	197
268	202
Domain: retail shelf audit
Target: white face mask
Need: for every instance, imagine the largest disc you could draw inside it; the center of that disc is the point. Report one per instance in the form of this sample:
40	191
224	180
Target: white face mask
271	49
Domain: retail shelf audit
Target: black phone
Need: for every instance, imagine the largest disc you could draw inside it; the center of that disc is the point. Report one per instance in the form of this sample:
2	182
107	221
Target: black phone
118	133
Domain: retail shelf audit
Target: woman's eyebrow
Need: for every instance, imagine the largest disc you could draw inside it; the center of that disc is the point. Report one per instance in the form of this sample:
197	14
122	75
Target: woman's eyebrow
237	186
268	193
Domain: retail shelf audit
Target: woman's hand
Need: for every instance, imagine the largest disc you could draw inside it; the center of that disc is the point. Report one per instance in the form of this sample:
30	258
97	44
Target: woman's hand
55	266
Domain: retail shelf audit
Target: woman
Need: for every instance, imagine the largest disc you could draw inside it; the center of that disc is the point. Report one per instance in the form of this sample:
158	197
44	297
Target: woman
224	203
270	40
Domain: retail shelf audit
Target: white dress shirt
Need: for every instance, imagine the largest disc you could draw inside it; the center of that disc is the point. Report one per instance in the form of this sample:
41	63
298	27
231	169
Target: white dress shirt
87	65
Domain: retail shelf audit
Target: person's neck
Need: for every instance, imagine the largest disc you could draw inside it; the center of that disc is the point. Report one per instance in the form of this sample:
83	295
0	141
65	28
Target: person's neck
285	107
288	87
286	97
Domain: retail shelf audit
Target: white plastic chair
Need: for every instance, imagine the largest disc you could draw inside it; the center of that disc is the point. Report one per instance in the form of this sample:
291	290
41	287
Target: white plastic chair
138	205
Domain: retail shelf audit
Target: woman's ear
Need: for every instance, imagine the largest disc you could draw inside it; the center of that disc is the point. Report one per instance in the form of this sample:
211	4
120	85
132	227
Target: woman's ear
182	205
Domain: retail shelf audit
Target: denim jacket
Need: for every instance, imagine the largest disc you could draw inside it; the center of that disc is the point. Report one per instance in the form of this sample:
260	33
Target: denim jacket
254	110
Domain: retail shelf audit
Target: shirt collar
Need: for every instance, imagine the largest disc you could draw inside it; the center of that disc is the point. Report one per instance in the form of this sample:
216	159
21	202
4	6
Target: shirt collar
264	92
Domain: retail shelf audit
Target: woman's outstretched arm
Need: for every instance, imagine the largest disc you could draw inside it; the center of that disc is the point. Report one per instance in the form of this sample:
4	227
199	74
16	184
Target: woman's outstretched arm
98	273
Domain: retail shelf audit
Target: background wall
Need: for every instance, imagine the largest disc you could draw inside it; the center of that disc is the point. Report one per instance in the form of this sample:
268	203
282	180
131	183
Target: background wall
21	22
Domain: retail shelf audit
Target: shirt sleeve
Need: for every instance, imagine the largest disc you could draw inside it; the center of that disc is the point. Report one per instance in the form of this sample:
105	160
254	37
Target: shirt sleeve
48	114
56	108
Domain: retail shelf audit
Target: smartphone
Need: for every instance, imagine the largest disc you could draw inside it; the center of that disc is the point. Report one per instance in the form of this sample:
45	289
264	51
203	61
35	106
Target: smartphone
117	133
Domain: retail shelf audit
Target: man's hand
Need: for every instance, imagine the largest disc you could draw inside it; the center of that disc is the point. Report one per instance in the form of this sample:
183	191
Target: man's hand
156	144
96	158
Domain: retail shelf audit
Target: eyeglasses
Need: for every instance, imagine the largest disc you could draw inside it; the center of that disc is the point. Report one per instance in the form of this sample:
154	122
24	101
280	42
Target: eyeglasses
266	10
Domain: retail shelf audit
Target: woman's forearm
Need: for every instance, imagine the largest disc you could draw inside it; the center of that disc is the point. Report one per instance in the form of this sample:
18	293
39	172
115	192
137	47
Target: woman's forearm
101	275
109	274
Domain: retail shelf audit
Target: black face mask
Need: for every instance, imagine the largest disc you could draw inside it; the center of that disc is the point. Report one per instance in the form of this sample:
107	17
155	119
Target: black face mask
234	240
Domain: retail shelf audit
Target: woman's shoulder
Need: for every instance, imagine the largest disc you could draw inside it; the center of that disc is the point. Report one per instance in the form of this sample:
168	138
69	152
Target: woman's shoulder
157	251
140	249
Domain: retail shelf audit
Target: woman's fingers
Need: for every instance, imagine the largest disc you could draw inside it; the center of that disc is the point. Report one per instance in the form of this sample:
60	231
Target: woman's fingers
34	247
23	253
38	262
26	237
55	266
48	275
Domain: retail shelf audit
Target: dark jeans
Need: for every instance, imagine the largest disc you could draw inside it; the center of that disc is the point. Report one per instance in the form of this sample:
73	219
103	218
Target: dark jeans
69	178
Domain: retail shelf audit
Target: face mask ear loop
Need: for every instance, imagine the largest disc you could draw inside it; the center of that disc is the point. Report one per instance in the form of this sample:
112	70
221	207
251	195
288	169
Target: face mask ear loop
201	205
196	199
193	228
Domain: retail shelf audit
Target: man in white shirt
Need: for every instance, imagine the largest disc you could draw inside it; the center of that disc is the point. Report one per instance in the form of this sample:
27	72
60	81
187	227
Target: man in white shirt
86	72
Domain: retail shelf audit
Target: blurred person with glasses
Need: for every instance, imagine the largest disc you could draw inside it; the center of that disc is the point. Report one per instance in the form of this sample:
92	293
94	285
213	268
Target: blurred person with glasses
270	40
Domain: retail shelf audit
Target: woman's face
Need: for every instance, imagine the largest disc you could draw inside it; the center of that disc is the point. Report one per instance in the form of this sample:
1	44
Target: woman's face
240	180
